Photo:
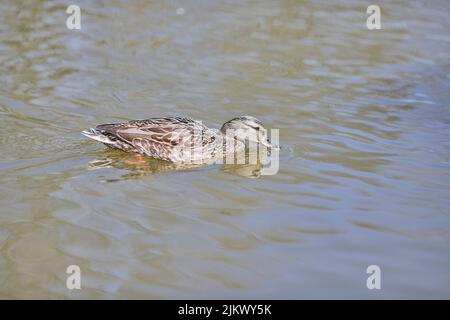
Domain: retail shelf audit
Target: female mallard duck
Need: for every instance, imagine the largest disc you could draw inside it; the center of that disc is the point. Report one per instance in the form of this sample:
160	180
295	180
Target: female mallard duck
178	139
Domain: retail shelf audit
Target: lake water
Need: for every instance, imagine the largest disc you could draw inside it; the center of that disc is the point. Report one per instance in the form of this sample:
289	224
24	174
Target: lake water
364	173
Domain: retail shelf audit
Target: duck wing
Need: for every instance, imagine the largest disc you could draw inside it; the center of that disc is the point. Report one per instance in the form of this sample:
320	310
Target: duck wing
162	138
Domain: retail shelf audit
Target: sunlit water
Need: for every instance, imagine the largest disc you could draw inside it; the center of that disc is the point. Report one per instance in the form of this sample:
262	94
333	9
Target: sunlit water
363	116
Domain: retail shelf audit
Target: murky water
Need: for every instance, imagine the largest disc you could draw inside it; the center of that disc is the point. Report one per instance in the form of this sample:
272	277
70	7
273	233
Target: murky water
363	114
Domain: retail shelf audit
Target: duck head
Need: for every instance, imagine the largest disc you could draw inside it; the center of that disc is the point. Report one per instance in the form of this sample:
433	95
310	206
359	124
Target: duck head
246	128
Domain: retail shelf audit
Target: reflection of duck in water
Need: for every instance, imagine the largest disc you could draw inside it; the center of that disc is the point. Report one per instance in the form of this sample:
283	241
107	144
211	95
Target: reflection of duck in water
147	166
180	140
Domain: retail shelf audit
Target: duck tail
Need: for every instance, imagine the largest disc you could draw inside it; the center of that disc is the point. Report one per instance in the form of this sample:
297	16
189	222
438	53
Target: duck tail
96	135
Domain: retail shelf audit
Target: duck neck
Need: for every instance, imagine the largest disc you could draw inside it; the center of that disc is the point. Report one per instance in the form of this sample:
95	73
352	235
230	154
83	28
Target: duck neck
232	144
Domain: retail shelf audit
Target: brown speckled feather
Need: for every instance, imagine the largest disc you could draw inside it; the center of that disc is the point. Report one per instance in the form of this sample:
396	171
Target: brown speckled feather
182	140
169	138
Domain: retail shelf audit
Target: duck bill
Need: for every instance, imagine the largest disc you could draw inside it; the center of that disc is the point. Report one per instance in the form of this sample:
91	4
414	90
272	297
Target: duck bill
267	144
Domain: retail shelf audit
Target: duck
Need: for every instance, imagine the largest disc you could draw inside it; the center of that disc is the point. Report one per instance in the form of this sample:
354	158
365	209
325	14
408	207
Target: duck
180	139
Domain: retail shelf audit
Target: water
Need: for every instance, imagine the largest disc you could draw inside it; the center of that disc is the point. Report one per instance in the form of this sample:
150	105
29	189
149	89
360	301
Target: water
364	117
